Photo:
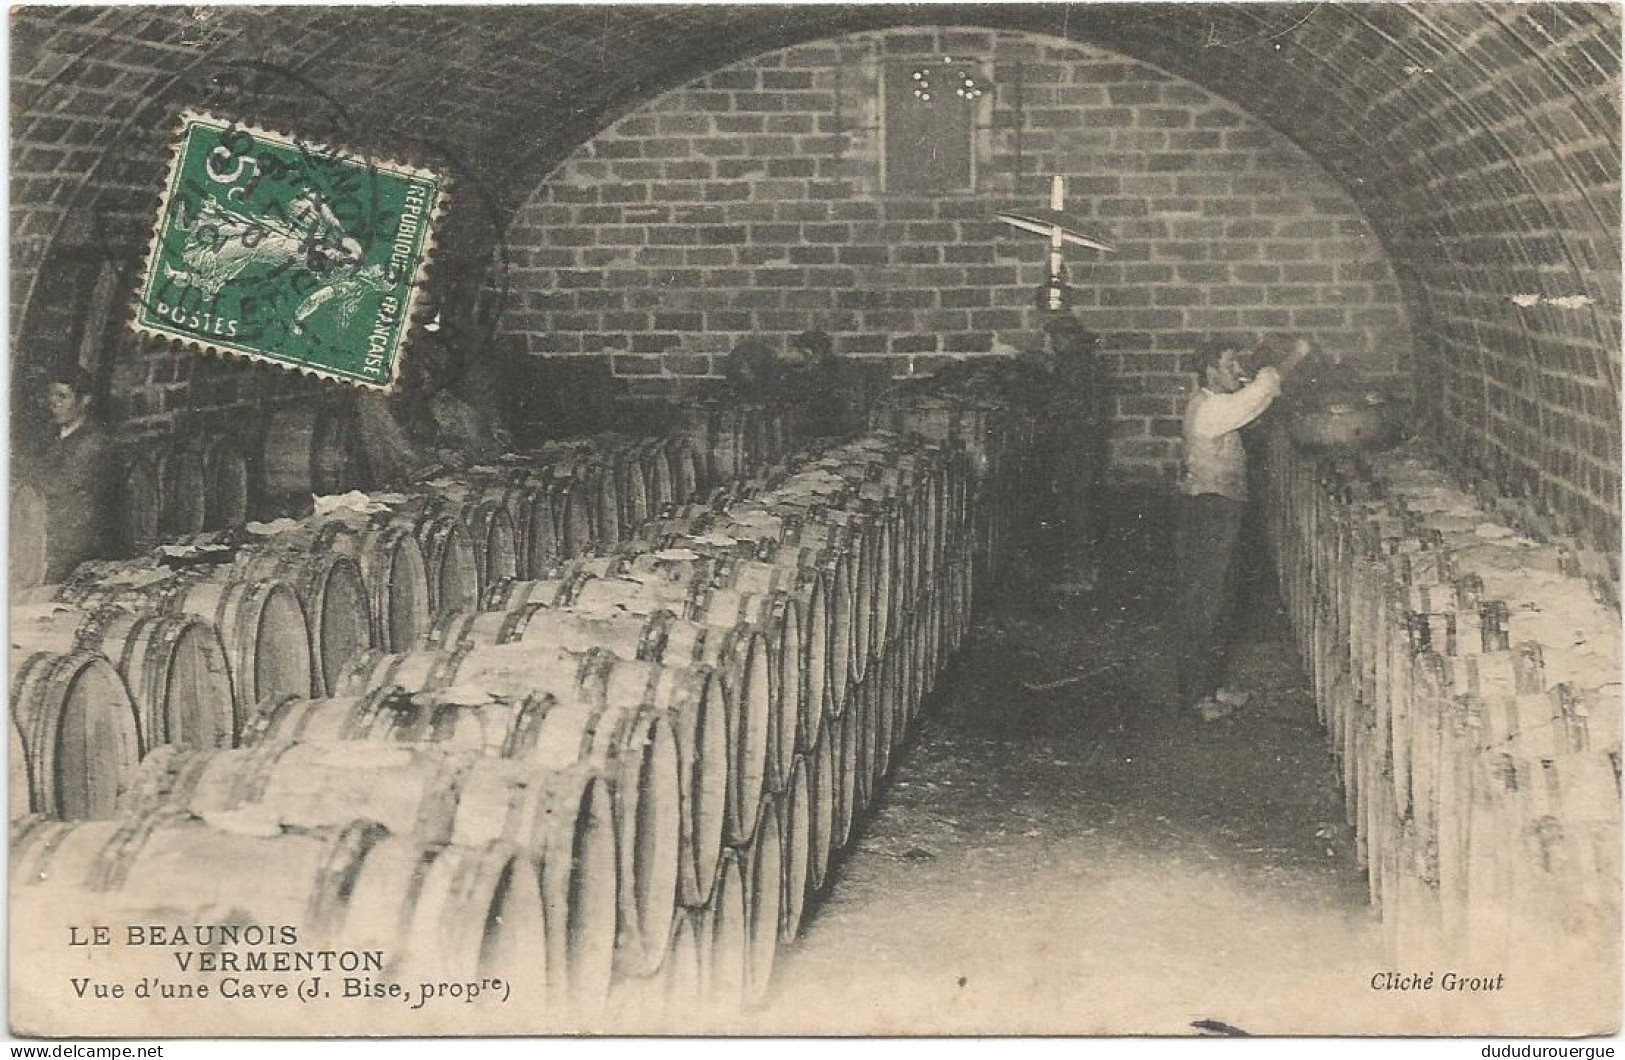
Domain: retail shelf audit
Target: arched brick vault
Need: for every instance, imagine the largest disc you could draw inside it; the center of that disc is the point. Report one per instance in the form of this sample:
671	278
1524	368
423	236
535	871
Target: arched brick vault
1481	142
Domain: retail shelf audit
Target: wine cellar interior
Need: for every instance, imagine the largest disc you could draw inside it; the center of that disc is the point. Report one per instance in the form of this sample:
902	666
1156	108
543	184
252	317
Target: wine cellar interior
771	599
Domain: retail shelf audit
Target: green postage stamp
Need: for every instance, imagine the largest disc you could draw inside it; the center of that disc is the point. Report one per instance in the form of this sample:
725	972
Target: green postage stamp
289	252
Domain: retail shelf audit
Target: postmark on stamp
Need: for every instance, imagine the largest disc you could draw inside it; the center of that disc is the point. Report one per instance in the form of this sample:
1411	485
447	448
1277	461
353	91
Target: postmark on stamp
282	251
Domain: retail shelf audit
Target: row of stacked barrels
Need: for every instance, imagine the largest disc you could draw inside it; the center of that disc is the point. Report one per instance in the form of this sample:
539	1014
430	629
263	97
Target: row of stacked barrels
668	732
171	489
265	609
1470	683
174	489
983	408
165	491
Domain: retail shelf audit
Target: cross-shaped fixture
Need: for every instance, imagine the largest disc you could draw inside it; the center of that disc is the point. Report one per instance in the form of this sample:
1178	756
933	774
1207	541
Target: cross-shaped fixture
1061	227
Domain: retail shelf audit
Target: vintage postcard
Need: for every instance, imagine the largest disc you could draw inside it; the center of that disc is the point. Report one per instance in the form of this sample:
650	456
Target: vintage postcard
1084	519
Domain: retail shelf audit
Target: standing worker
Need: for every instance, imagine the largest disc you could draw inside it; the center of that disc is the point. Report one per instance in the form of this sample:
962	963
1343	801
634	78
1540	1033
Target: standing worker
1210	515
75	476
820	395
424	425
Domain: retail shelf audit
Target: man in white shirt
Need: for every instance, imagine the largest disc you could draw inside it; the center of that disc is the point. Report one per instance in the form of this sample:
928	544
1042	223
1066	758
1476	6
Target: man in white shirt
1214	497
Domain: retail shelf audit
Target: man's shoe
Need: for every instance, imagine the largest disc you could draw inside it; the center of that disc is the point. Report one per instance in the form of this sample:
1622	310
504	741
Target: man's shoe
1237	700
1211	709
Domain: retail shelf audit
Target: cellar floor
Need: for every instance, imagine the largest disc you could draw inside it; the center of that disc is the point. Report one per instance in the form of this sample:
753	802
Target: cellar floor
1082	859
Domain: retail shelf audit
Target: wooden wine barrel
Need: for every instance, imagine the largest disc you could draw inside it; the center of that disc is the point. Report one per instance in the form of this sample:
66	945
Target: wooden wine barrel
604	502
260	623
140	504
830	670
922	665
309	450
724	937
836	573
665	1002
18	779
79	731
228	492
574	508
502	510
822	779
625	668
743	658
585	500
450	565
174	667
29	530
654	457
878	536
885	720
764	866
679	784
334	596
496	542
539	532
633	505
687	468
495	700
263	628
434	911
796	810
693	699
777	615
739	657
844	751
912	483
562	819
183	490
719	460
395	574
806	591
865	726
743	662
628	636
745	428
810	535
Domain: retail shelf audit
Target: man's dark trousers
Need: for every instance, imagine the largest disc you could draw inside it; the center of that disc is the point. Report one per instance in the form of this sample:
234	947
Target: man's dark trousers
1209	527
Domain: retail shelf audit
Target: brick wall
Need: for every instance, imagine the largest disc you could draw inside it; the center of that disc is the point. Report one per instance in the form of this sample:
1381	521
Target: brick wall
1480	141
1483	142
1513	205
751	201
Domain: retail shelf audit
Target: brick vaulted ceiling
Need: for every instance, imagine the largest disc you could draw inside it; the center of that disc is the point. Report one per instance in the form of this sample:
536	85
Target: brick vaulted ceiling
1398	101
1482	140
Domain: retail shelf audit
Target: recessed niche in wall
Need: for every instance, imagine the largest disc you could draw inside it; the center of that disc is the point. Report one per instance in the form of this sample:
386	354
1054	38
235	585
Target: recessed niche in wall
931	112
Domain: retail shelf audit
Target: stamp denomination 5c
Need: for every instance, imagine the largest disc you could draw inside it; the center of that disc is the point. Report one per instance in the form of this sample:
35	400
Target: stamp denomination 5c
289	252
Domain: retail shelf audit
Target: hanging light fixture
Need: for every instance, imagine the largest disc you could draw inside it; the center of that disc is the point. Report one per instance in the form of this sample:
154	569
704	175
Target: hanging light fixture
1061	227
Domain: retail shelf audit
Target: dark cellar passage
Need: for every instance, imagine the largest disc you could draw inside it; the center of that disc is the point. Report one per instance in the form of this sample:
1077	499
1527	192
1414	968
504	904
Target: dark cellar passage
1083	856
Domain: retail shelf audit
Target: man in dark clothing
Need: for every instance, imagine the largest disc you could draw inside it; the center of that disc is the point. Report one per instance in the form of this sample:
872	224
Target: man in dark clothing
75	475
753	372
423	424
824	399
